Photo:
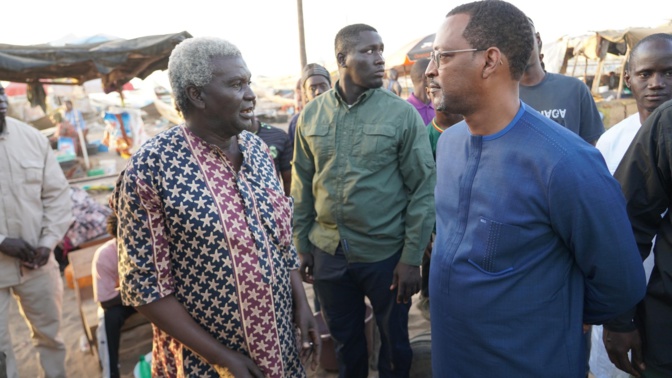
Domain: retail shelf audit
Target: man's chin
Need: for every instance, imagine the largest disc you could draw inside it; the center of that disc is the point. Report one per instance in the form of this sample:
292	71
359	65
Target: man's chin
376	83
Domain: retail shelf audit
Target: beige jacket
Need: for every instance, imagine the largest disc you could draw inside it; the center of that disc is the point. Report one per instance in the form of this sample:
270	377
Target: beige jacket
34	197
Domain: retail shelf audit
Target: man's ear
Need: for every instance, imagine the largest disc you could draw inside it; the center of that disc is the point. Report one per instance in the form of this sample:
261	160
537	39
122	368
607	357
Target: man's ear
340	58
195	96
493	62
626	79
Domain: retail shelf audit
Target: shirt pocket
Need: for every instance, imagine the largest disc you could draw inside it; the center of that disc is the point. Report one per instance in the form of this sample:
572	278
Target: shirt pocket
496	248
378	146
320	140
31	171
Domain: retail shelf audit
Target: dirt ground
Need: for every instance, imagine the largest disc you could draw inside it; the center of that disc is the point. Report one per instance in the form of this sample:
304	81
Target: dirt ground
81	363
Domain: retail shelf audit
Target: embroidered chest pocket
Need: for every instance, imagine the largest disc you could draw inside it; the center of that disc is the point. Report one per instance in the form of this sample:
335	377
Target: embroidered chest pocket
495	250
378	146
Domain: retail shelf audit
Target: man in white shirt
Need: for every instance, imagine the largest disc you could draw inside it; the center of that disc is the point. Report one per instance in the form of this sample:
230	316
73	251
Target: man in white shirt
649	77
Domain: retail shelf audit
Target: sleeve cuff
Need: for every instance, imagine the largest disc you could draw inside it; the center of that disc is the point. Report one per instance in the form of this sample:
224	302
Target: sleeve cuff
49	242
622	323
411	258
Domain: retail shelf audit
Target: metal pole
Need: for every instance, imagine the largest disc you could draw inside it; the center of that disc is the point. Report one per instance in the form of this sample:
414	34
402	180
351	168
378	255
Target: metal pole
302	39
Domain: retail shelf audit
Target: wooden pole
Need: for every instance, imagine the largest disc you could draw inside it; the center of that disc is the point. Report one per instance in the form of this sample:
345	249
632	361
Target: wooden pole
302	38
576	59
621	79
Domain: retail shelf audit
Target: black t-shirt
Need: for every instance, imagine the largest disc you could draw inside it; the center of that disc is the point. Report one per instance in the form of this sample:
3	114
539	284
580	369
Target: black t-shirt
278	142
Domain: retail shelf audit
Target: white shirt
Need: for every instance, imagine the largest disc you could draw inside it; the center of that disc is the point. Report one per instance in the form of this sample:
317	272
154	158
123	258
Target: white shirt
615	142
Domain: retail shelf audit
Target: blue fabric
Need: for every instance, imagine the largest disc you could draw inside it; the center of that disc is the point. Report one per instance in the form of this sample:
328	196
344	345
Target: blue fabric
532	241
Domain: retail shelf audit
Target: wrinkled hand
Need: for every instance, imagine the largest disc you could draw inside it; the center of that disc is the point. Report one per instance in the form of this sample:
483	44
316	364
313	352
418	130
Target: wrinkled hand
306	268
237	365
618	344
18	248
311	343
407	279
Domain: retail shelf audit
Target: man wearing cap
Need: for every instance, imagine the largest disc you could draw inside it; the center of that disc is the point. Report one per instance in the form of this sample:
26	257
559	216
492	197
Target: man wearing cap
315	80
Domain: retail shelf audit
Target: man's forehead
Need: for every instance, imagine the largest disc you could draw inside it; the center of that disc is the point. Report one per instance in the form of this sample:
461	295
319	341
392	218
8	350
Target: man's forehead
452	31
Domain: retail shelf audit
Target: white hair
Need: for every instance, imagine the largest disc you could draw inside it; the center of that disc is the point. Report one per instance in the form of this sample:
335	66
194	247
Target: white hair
190	63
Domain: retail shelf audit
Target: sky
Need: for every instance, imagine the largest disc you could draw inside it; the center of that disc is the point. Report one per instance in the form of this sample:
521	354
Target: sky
267	32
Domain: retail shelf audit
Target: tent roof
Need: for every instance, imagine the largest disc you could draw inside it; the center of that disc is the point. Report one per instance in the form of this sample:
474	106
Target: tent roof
116	62
631	36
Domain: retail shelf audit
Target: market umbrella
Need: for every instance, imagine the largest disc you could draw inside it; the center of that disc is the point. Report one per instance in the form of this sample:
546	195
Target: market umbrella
403	59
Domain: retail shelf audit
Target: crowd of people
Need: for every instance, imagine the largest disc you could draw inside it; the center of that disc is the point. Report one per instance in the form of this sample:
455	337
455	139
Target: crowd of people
483	192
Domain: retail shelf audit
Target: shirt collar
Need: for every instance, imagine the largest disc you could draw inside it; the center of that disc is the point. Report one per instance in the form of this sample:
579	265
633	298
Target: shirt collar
363	97
416	102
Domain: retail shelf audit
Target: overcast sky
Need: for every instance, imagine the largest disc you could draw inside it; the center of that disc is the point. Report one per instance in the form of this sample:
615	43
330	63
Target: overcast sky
266	31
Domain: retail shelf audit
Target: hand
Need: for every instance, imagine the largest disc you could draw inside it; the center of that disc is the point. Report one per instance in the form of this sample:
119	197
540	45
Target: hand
15	247
311	343
306	268
237	365
41	258
407	279
618	344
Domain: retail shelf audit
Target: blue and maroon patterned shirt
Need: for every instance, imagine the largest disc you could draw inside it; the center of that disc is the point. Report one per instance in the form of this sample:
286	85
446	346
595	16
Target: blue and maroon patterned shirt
216	239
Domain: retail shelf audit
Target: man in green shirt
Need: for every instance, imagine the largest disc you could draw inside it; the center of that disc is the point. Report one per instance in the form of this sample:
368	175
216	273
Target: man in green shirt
363	183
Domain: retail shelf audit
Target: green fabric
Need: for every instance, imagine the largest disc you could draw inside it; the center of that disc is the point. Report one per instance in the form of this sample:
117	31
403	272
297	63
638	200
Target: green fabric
434	135
363	176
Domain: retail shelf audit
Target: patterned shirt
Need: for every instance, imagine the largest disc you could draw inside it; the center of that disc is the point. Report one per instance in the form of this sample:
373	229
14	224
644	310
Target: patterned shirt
216	239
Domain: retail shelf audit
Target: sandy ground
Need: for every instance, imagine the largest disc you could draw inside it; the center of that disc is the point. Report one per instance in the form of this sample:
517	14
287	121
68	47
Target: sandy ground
82	363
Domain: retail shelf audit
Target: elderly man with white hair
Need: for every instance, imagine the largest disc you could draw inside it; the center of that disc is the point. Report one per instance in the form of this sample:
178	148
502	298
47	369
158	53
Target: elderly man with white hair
205	248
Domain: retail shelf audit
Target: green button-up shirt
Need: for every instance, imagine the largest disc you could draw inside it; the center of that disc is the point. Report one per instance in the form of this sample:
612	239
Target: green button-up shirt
364	177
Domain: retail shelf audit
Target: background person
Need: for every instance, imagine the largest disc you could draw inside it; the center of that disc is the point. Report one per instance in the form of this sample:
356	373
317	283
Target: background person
564	99
393	82
35	212
645	174
105	272
280	147
314	81
419	98
648	75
